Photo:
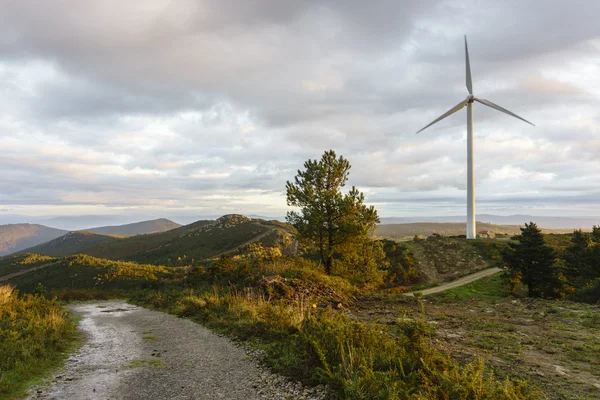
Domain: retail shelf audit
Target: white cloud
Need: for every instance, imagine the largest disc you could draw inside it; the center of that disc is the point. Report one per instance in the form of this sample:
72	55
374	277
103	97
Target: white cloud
509	172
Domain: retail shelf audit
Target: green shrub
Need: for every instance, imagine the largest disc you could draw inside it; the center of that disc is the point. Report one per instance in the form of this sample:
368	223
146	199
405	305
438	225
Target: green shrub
589	293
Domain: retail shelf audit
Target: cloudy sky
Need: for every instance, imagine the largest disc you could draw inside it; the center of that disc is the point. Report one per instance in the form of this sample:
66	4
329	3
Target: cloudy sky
184	107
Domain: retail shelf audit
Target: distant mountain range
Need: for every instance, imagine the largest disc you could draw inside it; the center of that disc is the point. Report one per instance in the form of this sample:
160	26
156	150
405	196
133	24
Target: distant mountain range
85	222
518	219
17	237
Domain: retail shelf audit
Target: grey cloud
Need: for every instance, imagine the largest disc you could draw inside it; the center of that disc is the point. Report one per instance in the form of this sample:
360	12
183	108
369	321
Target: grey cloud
231	96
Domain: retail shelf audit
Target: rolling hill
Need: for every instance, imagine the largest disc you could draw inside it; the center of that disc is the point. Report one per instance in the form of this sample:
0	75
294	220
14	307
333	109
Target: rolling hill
71	243
16	237
200	240
409	230
137	228
545	222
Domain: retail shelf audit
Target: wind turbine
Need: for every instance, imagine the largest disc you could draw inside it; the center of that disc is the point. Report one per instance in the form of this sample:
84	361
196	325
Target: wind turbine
471	231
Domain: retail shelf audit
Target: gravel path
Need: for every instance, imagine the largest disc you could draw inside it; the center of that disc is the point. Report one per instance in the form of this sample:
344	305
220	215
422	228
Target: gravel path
135	353
246	243
457	283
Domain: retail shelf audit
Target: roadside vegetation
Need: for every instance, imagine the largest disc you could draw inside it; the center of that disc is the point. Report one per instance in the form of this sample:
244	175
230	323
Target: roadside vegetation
35	333
322	345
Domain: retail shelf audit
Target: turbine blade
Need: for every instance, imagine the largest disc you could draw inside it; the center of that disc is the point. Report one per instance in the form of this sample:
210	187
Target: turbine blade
447	113
504	110
468	66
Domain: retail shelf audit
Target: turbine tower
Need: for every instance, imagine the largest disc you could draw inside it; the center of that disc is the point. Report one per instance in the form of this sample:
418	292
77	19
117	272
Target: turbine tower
471	230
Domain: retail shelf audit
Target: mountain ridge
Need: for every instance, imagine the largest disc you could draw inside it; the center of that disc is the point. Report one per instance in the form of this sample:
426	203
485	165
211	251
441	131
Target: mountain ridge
137	228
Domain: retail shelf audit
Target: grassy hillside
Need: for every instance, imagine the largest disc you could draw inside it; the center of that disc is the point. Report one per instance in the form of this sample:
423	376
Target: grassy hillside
16	237
441	259
139	244
71	243
200	240
137	228
207	241
15	263
85	272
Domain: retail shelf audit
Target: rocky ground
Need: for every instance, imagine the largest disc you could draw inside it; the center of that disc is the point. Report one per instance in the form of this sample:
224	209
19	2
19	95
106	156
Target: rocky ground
135	353
554	345
444	259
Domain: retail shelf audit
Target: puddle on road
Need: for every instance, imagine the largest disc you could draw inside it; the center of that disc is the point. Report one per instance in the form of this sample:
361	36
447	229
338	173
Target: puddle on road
117	310
96	369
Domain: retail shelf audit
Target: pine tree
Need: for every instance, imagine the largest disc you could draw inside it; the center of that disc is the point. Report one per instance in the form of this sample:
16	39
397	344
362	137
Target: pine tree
328	218
596	234
578	256
594	268
535	263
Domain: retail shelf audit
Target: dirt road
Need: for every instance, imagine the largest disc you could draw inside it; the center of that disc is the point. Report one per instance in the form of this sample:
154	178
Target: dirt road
25	271
135	353
457	283
239	246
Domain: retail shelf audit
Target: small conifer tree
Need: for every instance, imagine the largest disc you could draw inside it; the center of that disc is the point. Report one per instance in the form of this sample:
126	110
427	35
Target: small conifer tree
534	263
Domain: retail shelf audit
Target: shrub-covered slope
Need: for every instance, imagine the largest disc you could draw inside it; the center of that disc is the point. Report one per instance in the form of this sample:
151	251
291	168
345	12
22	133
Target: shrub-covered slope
200	240
71	243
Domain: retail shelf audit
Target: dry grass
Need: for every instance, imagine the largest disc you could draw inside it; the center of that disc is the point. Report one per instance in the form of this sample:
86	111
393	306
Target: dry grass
357	360
34	333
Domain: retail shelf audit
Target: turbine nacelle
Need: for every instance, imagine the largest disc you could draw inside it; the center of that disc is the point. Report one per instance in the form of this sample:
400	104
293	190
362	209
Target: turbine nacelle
471	98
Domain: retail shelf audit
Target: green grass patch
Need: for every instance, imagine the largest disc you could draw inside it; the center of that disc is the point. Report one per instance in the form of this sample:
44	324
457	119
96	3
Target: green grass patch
503	343
490	288
35	333
150	337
